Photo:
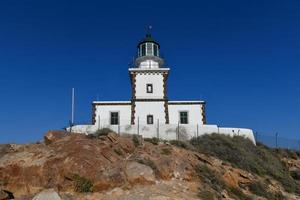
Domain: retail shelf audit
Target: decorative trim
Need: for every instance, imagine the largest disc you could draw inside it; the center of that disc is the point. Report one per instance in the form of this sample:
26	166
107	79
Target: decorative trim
203	114
133	90
148	72
166	112
165	77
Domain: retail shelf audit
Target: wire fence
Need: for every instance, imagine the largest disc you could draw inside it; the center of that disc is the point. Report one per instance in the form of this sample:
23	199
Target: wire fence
179	131
276	141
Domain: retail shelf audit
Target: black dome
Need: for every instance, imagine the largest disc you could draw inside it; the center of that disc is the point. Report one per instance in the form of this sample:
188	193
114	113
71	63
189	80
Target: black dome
148	38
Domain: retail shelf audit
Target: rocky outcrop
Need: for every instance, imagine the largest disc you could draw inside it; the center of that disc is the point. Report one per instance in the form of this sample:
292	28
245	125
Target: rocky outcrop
110	165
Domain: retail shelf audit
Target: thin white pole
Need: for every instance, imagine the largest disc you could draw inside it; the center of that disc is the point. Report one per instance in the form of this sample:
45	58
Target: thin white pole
73	105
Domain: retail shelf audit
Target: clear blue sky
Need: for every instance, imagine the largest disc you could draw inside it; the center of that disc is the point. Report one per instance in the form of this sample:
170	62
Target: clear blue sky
242	57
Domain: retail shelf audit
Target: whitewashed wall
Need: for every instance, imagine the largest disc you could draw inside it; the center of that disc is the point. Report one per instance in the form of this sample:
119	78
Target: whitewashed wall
143	109
143	79
168	131
194	113
104	112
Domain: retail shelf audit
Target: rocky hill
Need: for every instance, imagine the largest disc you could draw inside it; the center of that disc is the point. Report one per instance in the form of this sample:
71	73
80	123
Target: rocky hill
107	166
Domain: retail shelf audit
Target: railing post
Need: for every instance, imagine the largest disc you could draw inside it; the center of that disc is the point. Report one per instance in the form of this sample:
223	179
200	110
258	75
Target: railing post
158	128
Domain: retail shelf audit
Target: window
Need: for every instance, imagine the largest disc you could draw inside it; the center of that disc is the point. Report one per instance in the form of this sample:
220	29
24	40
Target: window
149	119
183	117
143	52
149	88
114	118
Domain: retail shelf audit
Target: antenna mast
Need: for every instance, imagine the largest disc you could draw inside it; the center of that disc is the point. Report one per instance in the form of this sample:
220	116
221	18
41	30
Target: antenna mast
73	105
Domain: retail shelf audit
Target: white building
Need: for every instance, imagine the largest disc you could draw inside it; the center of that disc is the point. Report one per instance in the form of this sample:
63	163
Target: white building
149	112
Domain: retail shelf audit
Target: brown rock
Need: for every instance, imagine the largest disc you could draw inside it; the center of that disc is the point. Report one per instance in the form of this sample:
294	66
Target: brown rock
139	173
53	136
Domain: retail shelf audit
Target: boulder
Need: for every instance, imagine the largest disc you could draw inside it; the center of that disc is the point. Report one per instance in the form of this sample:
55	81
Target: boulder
49	194
3	195
53	136
139	173
6	195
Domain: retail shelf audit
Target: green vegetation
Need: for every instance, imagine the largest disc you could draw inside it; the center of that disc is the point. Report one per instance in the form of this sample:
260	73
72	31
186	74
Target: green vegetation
166	151
261	189
153	140
295	174
207	195
242	153
119	152
136	141
100	132
287	153
82	184
181	144
212	179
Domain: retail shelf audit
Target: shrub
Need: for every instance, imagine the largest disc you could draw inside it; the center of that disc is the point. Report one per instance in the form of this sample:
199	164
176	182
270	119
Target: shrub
212	179
181	144
242	153
287	153
207	195
260	189
135	140
295	174
119	152
100	132
82	184
153	140
166	151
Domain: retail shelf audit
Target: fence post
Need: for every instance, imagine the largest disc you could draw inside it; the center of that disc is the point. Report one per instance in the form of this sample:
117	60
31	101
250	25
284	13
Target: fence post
71	125
276	140
158	128
98	122
197	130
256	136
177	137
119	129
138	126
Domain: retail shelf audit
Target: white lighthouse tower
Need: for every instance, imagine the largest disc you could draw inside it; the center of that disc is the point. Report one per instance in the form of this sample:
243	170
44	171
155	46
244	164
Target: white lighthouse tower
149	84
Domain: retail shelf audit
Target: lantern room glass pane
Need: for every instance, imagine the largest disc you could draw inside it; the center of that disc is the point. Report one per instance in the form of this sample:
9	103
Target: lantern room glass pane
149	49
155	50
143	51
